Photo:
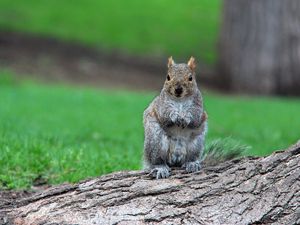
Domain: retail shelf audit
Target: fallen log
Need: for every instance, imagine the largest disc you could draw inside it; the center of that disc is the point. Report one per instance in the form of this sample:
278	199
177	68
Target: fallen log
250	190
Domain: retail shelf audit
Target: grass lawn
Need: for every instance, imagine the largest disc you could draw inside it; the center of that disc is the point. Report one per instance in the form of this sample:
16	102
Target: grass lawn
63	133
178	28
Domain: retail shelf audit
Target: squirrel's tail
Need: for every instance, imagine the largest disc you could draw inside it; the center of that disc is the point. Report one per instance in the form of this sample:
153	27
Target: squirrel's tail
221	150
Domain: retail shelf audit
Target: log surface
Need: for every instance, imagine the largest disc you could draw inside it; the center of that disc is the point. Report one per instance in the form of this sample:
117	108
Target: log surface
250	190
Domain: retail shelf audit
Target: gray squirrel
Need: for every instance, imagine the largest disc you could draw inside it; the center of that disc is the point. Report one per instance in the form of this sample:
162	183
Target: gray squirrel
175	123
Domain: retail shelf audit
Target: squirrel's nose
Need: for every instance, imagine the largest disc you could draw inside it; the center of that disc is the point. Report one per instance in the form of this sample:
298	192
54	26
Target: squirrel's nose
178	90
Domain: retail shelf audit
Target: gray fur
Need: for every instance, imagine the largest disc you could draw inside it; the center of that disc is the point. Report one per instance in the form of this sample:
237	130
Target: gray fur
174	129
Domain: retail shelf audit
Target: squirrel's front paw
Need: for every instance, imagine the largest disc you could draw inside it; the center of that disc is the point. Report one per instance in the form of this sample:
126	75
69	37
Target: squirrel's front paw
173	117
192	167
181	122
160	172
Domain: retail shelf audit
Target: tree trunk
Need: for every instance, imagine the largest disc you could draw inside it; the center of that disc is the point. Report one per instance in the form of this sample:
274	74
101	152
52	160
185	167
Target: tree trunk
260	46
246	191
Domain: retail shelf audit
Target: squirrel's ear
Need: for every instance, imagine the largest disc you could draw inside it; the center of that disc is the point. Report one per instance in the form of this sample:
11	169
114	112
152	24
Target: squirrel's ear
192	63
170	62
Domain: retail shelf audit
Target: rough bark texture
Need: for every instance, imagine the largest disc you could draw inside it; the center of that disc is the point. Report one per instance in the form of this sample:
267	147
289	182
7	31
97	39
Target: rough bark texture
246	191
260	46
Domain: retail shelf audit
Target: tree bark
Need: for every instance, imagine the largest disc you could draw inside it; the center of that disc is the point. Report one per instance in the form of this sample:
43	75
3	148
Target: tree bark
250	190
260	46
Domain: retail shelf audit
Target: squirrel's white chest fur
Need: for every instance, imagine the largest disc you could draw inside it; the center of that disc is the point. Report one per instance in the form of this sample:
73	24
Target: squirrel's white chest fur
179	109
179	138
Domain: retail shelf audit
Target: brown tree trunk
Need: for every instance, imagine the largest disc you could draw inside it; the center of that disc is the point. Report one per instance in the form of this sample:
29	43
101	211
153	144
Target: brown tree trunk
260	46
246	191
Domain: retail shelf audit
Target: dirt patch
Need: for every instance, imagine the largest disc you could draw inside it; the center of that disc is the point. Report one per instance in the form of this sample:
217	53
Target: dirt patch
53	60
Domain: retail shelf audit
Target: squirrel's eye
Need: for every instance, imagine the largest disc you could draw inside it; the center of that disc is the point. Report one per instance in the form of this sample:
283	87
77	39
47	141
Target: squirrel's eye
168	77
190	78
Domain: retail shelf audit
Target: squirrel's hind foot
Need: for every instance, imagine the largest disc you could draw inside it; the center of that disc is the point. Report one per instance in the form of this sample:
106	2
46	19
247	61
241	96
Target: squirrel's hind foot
192	167
160	172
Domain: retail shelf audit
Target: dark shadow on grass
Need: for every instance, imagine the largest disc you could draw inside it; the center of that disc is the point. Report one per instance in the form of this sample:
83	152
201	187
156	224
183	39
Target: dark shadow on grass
53	60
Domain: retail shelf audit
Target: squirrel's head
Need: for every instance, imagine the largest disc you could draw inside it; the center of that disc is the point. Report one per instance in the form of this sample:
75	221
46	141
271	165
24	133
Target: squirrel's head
180	81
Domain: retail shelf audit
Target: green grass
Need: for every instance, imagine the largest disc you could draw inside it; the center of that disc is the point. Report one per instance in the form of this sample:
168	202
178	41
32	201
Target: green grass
63	133
170	27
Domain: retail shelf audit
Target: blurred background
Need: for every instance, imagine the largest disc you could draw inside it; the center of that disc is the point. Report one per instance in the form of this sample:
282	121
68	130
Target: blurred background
76	76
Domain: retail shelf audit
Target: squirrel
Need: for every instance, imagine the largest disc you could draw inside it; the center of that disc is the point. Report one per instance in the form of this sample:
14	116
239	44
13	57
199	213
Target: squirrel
175	123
